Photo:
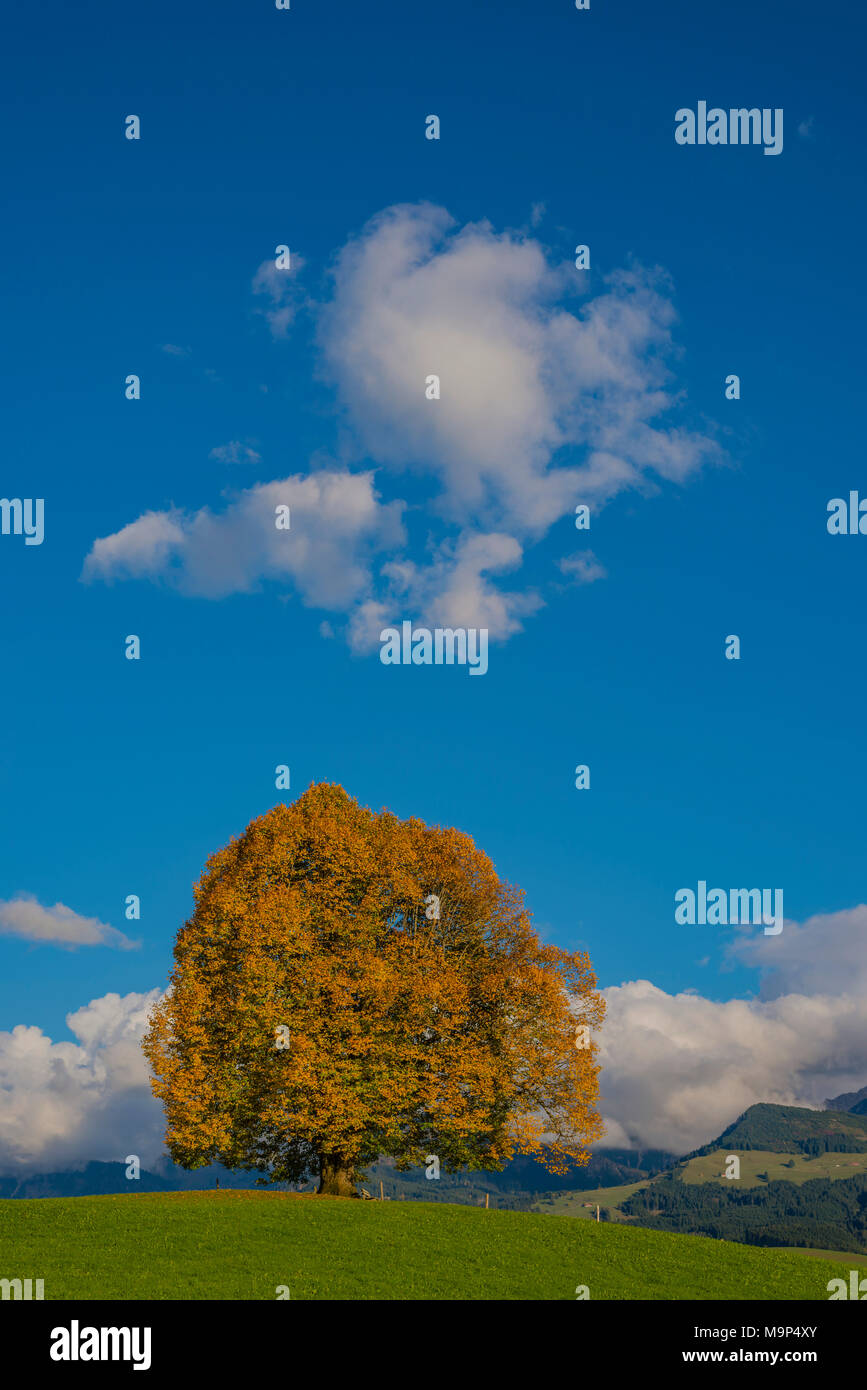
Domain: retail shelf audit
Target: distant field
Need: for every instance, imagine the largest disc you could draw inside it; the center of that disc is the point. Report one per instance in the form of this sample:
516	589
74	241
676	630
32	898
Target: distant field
243	1245
576	1203
711	1167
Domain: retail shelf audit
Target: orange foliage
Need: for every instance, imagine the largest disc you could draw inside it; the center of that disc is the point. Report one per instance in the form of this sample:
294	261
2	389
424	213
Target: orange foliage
407	1033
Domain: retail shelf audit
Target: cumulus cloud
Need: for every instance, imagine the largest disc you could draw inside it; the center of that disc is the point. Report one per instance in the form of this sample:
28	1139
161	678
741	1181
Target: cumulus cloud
547	397
539	405
65	1103
24	916
677	1069
141	550
827	954
336	523
452	590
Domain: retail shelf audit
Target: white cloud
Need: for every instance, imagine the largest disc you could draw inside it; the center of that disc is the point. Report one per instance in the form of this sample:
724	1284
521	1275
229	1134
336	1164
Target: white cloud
543	404
337	524
236	451
25	917
452	590
582	567
677	1069
282	293
827	954
67	1103
141	550
539	406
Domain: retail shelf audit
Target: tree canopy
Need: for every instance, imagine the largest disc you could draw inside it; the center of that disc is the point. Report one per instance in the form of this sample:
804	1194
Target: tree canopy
352	986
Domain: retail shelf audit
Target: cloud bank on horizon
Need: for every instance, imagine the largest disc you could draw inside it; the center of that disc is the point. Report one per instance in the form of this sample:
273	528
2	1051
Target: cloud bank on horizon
677	1068
543	404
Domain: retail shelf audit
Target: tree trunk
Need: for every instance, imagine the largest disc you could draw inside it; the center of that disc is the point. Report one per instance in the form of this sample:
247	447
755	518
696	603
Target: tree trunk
336	1176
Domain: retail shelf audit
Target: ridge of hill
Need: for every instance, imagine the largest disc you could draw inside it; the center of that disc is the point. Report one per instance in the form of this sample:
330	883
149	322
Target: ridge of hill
854	1101
792	1129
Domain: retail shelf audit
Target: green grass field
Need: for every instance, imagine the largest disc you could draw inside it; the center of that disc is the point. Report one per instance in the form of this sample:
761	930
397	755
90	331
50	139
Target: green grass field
710	1166
243	1245
583	1204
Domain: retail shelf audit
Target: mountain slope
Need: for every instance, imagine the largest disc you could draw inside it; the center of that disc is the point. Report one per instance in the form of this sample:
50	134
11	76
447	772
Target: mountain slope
792	1129
854	1101
802	1181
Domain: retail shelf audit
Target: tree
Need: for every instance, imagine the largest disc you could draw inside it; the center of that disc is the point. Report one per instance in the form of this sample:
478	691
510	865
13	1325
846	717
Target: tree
351	986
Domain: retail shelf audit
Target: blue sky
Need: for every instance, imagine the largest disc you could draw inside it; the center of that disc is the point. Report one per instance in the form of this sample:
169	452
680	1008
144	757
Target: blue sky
262	127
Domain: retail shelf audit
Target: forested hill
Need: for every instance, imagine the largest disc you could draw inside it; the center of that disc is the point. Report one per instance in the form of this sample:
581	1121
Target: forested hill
759	1204
791	1129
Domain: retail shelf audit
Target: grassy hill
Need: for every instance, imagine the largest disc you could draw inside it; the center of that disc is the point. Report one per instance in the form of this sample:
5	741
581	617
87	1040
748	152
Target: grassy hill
583	1204
243	1245
779	1167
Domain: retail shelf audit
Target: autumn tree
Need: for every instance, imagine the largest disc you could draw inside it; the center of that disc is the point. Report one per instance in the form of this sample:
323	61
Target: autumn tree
351	986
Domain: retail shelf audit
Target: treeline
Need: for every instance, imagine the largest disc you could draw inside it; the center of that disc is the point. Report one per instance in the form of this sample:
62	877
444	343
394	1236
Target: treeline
824	1144
523	1180
831	1144
606	1168
822	1214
